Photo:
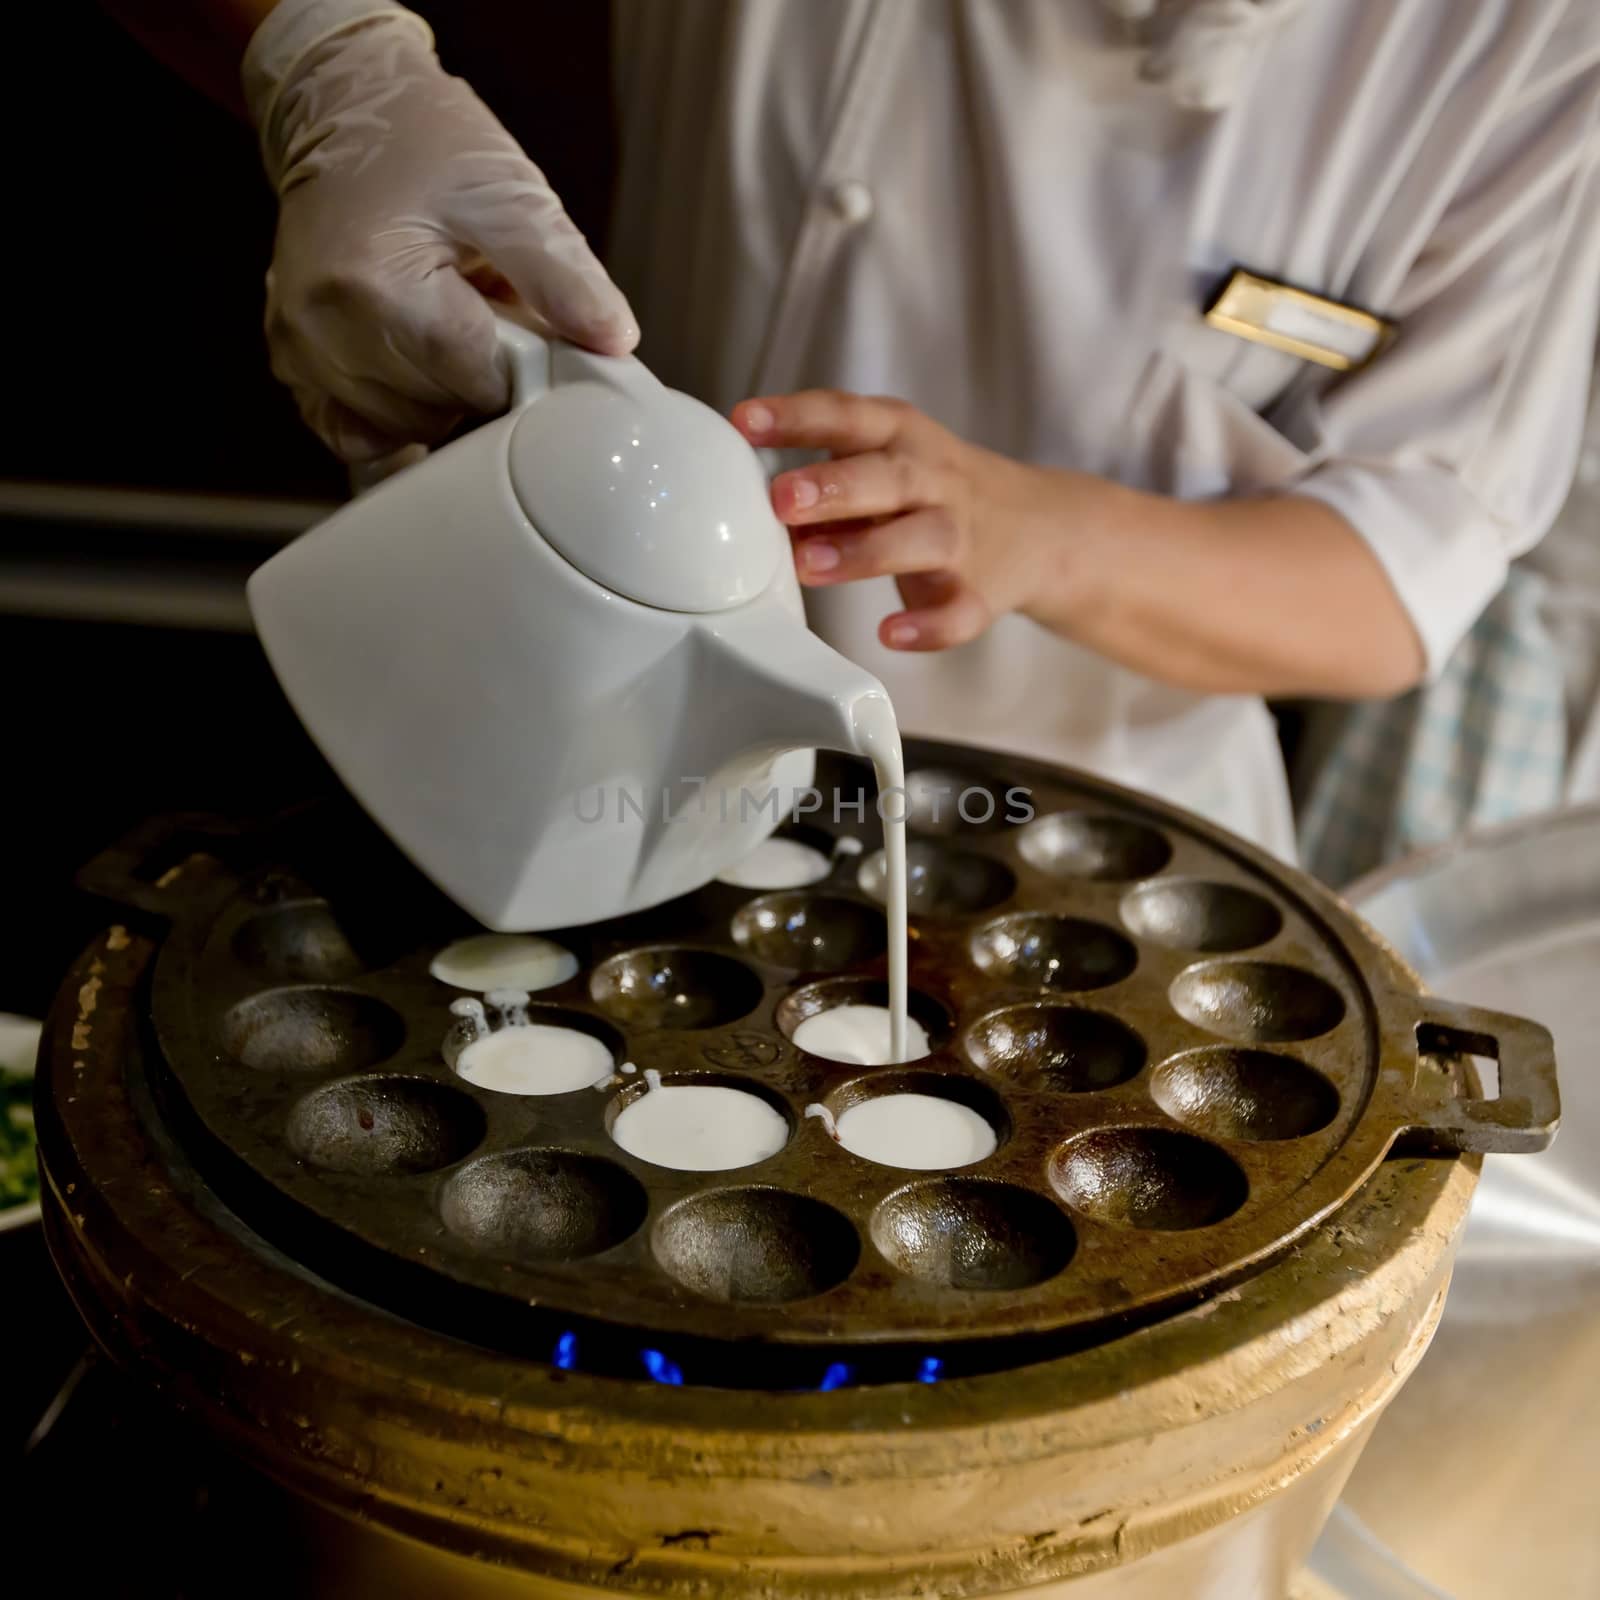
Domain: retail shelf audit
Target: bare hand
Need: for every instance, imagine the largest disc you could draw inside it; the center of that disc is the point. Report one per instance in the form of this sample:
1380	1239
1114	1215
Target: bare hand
966	534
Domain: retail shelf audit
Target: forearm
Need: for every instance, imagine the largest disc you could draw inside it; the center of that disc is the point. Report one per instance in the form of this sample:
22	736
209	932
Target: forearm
1272	596
203	41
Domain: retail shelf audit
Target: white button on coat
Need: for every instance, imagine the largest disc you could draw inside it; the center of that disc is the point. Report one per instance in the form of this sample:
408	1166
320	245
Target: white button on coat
851	201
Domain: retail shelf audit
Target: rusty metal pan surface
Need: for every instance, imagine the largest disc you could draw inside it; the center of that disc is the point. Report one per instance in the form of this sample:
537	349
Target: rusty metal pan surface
1190	1055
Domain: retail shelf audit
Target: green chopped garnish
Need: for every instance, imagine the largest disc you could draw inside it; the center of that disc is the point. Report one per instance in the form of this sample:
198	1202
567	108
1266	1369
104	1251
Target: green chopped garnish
19	1170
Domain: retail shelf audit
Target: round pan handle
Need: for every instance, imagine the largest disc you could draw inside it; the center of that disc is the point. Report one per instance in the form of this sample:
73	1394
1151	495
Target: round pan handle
150	867
1525	1115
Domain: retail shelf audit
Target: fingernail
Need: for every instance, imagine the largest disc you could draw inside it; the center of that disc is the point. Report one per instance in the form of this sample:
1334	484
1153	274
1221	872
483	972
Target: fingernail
817	555
757	419
604	333
902	634
804	493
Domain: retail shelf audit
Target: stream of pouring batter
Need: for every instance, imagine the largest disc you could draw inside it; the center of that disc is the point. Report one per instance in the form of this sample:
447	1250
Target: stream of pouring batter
878	737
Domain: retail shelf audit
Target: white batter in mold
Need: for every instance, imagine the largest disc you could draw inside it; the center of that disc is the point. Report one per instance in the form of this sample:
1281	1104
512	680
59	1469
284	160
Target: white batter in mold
924	1132
521	1056
535	1058
778	864
860	1036
503	961
699	1127
878	738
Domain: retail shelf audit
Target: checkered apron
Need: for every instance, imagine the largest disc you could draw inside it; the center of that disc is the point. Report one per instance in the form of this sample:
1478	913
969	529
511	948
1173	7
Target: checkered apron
1485	743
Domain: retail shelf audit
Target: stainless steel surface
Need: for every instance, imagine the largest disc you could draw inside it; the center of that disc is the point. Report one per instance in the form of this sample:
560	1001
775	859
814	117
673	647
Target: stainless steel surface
141	556
212	600
1352	1564
222	516
1485	1476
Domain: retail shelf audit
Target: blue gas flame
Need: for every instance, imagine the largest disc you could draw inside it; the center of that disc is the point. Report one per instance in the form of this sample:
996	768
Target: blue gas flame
660	1368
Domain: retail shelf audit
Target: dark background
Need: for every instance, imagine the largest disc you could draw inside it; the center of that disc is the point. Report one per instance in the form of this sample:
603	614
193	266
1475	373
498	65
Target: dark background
139	227
134	352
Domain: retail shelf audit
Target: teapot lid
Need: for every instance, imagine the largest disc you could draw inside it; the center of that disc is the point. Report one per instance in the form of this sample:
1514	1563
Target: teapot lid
644	489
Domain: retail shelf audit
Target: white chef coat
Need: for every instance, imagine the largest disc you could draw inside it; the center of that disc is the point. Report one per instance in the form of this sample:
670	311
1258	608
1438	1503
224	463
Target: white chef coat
979	206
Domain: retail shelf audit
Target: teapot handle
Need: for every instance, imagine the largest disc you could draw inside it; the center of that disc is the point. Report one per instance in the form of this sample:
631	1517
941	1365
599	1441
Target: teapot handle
524	358
535	365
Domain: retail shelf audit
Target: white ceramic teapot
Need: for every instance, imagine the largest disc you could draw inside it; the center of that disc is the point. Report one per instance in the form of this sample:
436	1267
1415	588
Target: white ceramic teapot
563	661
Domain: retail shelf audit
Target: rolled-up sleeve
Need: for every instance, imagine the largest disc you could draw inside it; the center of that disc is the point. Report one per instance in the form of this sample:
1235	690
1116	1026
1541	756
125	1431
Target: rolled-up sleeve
1452	452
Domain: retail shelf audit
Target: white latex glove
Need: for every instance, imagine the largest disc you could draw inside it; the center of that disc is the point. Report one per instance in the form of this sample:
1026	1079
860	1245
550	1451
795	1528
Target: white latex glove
402	203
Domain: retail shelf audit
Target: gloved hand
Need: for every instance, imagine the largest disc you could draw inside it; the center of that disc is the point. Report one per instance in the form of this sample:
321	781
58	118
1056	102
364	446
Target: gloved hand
402	203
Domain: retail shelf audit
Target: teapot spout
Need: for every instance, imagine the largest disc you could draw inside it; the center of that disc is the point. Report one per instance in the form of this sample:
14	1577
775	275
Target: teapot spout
779	687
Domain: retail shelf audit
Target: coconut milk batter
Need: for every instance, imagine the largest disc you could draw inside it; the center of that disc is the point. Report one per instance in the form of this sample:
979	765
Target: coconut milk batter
699	1127
878	737
787	864
535	1058
922	1131
778	864
503	961
861	1036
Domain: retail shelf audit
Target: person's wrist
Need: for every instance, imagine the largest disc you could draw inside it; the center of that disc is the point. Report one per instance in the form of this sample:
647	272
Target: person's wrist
288	41
1084	522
